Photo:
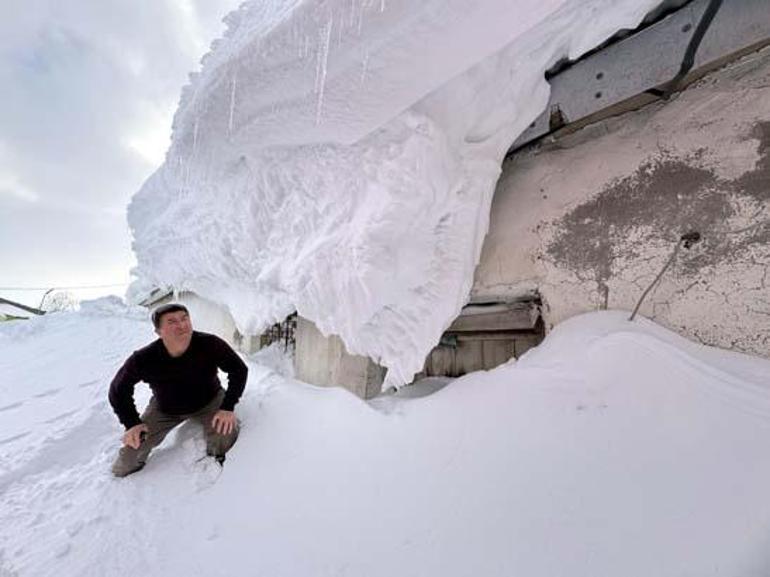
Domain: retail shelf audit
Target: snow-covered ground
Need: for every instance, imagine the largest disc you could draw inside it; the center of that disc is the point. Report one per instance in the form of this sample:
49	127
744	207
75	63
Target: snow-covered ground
338	158
613	449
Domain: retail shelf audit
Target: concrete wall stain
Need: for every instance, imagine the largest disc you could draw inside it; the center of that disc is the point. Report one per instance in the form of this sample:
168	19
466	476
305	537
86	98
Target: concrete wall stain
589	219
665	197
756	183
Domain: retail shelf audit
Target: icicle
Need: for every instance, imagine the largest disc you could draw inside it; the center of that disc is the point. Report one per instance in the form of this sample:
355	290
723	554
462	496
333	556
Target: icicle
232	104
361	18
323	63
185	169
195	136
364	66
382	6
339	33
317	85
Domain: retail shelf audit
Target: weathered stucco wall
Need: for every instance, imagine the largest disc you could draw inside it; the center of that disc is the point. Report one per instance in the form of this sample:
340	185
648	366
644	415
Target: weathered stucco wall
590	219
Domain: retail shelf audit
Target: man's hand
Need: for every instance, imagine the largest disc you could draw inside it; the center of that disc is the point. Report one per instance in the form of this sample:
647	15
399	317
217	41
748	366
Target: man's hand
133	437
223	422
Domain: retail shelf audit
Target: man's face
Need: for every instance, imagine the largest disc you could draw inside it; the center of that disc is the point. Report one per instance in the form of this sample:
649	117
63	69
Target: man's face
175	329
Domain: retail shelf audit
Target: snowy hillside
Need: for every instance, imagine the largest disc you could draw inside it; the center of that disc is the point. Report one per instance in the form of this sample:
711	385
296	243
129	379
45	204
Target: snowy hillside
614	448
338	158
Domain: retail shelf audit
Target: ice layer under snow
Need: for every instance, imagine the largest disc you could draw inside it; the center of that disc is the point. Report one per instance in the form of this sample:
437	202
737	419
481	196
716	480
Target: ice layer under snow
338	158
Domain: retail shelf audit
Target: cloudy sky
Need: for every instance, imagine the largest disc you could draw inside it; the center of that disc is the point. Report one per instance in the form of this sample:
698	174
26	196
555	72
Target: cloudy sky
89	88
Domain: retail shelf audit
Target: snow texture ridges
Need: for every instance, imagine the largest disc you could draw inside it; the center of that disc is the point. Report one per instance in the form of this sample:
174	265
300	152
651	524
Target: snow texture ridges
339	158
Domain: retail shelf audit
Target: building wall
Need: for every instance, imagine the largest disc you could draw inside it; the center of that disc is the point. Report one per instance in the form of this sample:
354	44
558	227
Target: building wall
589	219
324	361
210	317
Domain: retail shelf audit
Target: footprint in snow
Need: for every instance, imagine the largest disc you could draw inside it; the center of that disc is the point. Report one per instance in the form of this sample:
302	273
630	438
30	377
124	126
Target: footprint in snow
206	473
73	530
48	393
62	550
60	417
37	520
14	438
88	384
11	406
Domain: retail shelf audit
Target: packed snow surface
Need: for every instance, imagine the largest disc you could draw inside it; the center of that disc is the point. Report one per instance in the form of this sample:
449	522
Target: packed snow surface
614	448
338	158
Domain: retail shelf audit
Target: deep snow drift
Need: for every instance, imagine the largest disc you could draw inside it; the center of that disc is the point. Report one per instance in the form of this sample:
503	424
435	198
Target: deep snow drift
338	158
614	448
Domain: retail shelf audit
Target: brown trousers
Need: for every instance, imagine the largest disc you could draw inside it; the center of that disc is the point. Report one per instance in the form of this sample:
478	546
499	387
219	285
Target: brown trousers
159	424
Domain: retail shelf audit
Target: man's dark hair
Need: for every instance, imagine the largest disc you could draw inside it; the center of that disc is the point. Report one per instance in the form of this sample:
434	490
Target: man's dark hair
158	313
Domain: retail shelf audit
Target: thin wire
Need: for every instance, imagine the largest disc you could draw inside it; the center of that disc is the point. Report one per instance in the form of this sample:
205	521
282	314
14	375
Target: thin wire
42	288
689	56
657	279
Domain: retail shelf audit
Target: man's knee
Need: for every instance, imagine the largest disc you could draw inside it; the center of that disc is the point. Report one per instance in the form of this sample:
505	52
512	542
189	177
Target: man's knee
127	462
218	444
120	471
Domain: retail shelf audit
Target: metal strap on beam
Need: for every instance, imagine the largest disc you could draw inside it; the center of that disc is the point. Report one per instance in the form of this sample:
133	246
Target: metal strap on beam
615	79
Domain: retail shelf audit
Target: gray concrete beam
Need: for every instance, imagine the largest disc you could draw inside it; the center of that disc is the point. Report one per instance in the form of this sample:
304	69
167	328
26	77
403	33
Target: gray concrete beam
614	80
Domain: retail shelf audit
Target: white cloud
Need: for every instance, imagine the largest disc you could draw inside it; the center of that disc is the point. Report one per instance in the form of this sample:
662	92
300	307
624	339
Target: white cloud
88	94
151	139
191	24
11	185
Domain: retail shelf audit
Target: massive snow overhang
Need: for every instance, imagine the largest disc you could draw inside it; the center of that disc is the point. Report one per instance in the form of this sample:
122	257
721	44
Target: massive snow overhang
339	157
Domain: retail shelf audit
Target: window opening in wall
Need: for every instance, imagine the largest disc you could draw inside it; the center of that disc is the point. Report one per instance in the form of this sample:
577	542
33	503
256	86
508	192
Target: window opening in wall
486	335
282	332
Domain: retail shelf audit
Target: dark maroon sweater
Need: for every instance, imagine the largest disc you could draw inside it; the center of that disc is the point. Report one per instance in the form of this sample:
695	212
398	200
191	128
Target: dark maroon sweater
180	385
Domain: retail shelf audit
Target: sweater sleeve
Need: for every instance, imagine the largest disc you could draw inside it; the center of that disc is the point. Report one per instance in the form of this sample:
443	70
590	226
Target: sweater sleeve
122	393
237	371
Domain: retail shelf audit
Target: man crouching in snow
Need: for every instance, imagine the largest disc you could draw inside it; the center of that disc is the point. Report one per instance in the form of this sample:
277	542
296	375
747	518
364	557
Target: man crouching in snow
181	369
